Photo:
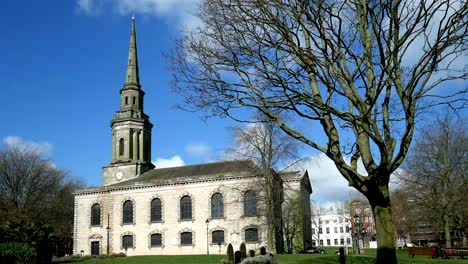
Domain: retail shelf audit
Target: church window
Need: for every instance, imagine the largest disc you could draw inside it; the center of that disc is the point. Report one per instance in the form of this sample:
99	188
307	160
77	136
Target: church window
186	208
156	210
217	237
127	213
96	215
134	100
156	240
250	203
121	147
217	206
127	241
251	235
186	238
126	100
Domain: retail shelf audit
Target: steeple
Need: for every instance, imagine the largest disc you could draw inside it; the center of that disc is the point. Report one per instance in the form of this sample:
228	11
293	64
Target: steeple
132	79
131	128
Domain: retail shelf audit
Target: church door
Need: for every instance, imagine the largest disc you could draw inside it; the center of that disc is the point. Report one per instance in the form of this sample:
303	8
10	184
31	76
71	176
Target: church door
95	248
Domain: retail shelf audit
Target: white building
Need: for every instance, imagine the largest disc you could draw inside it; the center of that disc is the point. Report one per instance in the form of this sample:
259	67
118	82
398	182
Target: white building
184	210
331	227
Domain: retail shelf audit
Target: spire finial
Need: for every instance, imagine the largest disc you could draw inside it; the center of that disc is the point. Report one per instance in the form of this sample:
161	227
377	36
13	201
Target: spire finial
133	14
132	79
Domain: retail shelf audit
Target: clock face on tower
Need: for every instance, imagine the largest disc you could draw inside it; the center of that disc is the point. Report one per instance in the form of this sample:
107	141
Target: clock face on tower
119	175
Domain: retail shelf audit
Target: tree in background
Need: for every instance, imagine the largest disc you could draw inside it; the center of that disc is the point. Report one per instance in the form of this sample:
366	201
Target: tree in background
292	223
436	176
270	149
32	189
353	74
404	215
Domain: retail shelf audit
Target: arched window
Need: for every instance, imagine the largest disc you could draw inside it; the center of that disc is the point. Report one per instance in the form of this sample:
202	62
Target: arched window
121	147
156	240
127	241
127	213
251	234
217	236
186	208
217	210
250	203
96	215
186	238
156	210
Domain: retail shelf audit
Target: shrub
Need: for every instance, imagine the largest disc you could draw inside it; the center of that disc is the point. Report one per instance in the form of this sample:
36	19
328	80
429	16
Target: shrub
230	253
225	261
17	253
66	259
251	253
237	257
243	251
262	259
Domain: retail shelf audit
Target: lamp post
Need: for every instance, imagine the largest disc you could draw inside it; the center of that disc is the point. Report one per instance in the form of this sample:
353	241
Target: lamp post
108	231
207	237
357	230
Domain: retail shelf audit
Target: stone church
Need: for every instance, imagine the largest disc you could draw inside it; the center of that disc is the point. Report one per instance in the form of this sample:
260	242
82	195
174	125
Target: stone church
195	209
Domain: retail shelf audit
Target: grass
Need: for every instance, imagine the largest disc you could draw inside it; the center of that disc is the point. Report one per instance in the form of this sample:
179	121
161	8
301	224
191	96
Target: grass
329	258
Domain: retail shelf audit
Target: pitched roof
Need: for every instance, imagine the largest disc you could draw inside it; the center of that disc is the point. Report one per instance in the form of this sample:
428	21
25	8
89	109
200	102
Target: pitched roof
207	171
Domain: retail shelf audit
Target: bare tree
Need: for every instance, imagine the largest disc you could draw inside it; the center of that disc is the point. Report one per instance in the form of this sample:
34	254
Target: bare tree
404	215
33	189
270	149
292	222
436	177
316	214
352	73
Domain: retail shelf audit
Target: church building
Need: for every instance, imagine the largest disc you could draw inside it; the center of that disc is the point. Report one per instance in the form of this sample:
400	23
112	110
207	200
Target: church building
197	209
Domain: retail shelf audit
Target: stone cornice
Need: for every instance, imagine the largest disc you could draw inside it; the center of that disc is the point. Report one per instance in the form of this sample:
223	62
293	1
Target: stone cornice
101	190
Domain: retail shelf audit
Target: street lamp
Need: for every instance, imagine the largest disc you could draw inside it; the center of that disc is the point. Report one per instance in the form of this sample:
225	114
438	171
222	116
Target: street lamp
207	237
108	230
357	228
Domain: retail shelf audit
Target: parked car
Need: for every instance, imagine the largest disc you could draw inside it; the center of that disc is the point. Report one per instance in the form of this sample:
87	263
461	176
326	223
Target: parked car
316	250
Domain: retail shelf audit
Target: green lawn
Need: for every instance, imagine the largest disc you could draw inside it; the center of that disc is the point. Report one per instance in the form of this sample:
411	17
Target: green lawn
329	258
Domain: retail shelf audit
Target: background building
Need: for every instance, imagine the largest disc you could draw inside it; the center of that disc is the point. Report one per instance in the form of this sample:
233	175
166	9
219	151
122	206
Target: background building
331	227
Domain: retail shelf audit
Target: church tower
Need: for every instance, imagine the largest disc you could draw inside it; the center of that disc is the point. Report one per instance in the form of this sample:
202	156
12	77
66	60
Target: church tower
131	128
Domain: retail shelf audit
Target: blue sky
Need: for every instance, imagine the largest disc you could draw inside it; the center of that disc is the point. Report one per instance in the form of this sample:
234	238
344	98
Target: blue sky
62	68
63	63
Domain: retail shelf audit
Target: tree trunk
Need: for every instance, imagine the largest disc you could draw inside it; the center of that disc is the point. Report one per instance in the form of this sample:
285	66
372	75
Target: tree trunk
448	238
382	210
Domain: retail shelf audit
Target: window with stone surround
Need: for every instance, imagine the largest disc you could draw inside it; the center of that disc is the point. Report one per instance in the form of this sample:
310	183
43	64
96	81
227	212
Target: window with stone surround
156	210
250	203
186	238
96	215
251	235
127	212
156	240
127	241
217	237
186	208
217	210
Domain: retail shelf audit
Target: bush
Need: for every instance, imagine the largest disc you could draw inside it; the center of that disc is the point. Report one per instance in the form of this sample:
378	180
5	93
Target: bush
17	253
230	253
224	261
262	259
243	250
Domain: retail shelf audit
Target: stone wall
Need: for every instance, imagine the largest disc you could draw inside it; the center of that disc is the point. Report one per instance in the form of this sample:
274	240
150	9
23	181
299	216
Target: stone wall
233	224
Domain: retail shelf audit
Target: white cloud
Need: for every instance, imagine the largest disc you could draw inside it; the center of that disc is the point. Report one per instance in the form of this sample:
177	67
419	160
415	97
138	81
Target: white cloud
174	161
180	10
198	149
42	147
327	183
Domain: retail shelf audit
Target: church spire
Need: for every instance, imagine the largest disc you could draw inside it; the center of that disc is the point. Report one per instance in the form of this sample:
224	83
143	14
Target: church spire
132	79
